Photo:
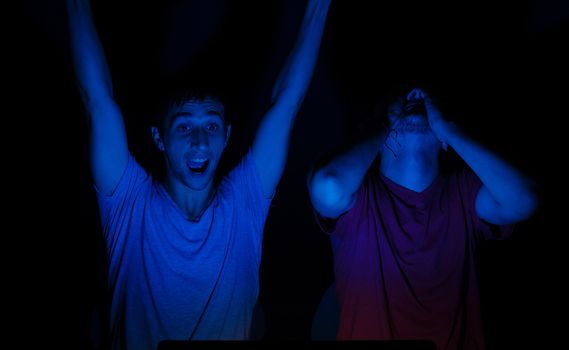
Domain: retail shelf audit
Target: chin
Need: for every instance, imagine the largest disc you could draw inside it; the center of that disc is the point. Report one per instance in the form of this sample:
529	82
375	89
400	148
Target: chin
199	182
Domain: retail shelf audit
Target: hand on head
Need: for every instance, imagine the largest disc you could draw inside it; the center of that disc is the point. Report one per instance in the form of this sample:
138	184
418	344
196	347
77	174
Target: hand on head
433	114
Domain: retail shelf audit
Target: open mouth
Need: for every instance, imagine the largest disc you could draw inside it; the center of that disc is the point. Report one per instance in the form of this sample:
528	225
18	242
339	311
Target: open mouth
414	108
198	165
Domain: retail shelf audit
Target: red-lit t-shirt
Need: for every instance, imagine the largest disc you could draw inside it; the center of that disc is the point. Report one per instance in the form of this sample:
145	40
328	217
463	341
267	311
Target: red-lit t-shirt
405	262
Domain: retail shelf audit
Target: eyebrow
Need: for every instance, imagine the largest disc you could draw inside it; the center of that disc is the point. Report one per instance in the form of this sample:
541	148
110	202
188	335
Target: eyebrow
214	112
186	114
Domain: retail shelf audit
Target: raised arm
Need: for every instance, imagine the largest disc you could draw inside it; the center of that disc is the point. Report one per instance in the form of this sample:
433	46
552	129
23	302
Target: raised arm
333	187
108	145
270	146
507	196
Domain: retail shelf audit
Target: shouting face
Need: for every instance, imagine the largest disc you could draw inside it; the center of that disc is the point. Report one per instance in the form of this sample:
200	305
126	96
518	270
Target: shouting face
407	114
193	139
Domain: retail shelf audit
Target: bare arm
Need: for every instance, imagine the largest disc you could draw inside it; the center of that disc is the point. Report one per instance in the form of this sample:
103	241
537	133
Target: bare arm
507	196
333	187
270	146
108	145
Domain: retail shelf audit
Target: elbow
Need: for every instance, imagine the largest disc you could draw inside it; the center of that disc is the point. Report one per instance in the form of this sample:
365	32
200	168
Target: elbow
525	205
530	202
289	95
327	194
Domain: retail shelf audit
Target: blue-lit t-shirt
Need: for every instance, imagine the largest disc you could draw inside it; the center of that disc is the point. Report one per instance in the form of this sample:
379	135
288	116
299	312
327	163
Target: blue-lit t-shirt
172	278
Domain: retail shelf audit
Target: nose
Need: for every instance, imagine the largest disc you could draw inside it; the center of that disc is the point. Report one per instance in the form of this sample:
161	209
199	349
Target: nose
415	95
199	139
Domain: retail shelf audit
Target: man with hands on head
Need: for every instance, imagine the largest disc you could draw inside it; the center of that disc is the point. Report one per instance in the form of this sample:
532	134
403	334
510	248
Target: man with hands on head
405	236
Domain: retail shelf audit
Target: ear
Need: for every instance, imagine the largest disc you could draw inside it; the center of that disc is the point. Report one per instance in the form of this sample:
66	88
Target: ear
227	134
157	139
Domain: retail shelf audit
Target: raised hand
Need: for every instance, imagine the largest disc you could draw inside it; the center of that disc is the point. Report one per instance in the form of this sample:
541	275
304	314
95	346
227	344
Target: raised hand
438	124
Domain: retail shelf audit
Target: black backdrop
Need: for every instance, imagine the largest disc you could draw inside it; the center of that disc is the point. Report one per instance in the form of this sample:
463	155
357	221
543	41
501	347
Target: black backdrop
500	66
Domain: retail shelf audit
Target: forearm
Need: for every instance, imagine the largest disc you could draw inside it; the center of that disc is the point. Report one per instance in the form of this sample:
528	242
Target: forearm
294	78
335	184
88	58
108	145
506	184
270	146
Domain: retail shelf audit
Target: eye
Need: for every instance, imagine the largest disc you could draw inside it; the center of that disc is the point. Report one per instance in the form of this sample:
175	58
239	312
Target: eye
213	127
183	128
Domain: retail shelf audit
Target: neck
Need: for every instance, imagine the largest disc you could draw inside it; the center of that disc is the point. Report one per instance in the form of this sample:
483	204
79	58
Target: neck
411	161
192	202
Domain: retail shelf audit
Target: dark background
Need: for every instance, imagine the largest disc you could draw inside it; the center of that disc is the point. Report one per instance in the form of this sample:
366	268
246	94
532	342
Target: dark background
499	66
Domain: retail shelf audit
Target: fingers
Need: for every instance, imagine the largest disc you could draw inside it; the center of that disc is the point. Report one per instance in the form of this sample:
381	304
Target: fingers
427	100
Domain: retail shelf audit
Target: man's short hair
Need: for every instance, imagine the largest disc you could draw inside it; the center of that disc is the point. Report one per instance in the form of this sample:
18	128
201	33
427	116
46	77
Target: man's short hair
176	99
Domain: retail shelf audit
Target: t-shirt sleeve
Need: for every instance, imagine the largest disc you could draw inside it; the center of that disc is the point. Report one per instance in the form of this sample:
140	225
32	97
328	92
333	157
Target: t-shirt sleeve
115	209
327	225
472	185
335	226
245	182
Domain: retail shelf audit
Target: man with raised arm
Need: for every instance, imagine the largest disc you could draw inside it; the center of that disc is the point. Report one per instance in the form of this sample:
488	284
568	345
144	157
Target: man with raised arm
183	253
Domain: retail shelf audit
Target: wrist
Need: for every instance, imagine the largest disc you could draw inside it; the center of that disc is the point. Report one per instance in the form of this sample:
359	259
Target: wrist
447	131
